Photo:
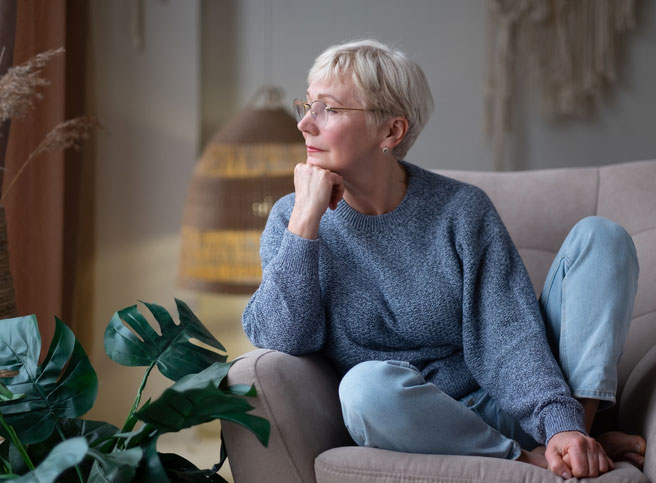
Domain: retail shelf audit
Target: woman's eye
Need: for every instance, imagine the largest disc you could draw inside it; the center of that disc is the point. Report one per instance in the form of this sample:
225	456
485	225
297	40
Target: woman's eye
331	111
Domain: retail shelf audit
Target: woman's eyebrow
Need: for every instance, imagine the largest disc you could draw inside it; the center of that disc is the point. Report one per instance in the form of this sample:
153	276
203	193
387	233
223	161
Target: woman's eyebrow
323	96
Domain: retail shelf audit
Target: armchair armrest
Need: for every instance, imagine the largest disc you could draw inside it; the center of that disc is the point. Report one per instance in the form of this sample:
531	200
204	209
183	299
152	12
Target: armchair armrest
298	395
637	408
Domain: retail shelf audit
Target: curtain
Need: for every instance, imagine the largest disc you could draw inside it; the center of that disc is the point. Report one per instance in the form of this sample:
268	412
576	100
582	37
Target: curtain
43	210
7	33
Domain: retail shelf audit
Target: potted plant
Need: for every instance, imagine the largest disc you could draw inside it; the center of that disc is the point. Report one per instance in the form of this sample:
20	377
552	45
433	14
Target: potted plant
41	403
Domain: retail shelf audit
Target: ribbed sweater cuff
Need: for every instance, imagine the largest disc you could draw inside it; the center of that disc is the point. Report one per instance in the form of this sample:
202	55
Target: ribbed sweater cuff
560	417
297	254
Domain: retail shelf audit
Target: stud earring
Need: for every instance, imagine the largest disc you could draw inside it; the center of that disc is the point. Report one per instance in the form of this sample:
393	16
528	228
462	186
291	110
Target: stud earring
386	150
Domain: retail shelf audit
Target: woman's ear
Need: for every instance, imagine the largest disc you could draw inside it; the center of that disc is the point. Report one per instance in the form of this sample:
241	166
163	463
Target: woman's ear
397	128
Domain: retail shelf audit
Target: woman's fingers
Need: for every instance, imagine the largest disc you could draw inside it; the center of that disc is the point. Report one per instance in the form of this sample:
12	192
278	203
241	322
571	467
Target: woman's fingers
315	185
571	453
558	464
336	195
602	463
608	463
597	461
316	189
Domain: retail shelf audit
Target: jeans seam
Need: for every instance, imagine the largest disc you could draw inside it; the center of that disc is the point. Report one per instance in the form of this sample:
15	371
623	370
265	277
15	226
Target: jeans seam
562	349
549	283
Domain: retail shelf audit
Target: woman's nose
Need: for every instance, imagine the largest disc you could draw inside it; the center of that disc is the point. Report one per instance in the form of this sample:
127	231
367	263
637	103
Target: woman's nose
307	124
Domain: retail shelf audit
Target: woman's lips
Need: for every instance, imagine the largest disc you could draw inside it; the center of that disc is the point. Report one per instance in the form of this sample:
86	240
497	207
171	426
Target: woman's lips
312	149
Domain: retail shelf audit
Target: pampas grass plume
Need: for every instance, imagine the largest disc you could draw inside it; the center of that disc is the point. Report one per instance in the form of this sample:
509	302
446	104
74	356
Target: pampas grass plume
19	85
18	94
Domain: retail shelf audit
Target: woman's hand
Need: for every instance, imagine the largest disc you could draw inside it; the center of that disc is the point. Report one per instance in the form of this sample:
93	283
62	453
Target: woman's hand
317	190
571	453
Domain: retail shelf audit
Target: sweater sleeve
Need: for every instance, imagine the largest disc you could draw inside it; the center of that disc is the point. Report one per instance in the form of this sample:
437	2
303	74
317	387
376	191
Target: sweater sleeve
504	339
285	313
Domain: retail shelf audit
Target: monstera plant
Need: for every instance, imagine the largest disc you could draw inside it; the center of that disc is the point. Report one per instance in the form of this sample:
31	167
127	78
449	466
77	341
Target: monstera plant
45	439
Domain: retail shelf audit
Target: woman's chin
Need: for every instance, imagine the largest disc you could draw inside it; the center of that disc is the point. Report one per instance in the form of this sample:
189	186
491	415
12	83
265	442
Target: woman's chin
315	161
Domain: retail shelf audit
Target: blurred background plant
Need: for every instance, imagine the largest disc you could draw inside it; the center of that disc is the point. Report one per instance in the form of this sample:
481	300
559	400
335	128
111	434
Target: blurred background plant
19	92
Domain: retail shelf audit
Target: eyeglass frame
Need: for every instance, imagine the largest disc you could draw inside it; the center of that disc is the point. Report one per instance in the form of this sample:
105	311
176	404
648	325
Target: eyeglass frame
327	107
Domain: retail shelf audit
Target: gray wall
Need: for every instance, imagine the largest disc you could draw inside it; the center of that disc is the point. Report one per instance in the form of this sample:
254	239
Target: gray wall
148	101
247	43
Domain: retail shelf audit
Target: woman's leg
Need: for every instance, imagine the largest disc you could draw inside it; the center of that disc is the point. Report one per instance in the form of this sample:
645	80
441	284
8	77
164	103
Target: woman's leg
587	303
389	405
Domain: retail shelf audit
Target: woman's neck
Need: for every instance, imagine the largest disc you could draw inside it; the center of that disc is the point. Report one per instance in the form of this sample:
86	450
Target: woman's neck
378	191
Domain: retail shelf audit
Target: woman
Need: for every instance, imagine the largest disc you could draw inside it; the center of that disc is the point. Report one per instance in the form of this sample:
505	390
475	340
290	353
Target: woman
410	284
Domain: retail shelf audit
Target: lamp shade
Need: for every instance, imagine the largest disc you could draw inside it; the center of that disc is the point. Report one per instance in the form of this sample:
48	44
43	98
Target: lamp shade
243	170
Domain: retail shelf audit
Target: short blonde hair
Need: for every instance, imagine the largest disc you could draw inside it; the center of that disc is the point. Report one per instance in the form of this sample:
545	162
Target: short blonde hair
388	84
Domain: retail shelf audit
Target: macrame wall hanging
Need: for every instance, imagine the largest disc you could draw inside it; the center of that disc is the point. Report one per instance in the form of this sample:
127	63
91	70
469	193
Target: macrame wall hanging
571	49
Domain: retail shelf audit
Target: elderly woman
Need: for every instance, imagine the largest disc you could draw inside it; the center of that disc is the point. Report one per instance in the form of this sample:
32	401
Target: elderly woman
410	284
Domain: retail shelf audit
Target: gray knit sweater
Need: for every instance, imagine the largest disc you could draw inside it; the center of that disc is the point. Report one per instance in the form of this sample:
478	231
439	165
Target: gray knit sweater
437	282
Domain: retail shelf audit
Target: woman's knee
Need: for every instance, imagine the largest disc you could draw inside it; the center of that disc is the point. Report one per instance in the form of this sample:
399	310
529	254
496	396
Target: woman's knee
374	400
603	229
371	380
610	240
373	389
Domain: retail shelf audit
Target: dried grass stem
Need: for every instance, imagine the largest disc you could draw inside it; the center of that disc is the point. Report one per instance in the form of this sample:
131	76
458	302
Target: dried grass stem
65	135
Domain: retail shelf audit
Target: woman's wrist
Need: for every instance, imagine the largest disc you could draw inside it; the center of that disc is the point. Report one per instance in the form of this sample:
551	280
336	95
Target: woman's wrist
303	225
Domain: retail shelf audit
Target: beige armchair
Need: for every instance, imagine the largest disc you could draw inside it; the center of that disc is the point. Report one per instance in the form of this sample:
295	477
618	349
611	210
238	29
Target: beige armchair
298	395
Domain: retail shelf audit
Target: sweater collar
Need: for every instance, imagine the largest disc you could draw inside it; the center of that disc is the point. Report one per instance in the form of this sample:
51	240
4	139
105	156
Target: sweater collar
397	217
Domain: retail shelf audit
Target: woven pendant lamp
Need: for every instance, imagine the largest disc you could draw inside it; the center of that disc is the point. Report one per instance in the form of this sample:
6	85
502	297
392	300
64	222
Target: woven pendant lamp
243	170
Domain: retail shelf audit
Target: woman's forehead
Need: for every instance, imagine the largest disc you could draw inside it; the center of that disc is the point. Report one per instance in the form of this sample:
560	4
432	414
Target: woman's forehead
338	89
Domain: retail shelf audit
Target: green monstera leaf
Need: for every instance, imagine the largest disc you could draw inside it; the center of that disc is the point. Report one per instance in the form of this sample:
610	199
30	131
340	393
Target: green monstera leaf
174	351
64	385
117	466
95	432
150	469
6	394
63	456
197	399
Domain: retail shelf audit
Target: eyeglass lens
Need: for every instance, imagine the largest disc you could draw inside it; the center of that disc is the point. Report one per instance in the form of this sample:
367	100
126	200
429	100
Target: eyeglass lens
317	110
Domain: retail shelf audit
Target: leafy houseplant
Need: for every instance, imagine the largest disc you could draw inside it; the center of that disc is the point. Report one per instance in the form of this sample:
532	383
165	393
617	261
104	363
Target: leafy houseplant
40	404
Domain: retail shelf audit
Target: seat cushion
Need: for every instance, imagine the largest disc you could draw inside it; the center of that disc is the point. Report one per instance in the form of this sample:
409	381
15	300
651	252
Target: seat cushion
358	465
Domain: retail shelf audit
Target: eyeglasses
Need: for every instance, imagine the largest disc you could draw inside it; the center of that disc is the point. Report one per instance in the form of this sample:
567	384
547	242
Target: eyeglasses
318	110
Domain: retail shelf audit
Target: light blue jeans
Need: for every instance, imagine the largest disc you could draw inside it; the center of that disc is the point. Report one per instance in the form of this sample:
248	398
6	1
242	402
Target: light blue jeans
586	302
